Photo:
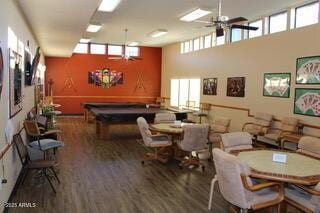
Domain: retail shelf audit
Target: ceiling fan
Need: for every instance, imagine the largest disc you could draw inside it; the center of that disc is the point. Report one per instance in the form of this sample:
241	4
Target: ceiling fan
125	55
220	22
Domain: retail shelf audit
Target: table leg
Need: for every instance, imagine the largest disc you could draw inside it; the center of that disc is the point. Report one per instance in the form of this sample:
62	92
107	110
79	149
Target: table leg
104	131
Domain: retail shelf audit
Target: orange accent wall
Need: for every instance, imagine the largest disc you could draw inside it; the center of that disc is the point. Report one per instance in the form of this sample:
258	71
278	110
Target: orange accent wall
71	87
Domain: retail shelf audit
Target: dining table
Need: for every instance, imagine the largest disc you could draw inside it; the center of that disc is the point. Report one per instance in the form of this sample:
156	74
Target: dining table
297	169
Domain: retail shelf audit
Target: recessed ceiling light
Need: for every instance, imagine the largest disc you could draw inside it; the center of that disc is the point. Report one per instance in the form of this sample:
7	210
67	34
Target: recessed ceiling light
108	5
194	15
85	40
93	28
158	33
133	44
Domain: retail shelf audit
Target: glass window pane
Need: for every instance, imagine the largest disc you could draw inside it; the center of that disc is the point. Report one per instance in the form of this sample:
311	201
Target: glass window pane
201	42
220	40
98	49
307	15
174	97
182	47
214	39
186	46
191	45
194	96
183	92
196	44
278	22
132	51
258	32
236	34
114	50
207	41
81	48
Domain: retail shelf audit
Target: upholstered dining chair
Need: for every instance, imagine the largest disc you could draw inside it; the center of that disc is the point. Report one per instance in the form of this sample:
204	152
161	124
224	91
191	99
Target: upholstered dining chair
44	166
288	125
219	125
153	141
261	122
164	117
306	199
236	141
309	145
42	143
236	186
195	139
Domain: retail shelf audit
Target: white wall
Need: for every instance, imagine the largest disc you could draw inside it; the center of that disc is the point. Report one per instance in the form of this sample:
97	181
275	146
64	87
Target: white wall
251	59
12	17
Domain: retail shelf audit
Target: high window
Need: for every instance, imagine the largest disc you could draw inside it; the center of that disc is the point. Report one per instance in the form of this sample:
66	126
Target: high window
278	22
132	51
236	34
258	32
307	15
185	93
114	50
81	48
98	49
207	41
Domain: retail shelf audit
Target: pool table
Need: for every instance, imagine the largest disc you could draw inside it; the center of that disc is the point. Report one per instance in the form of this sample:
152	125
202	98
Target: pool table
108	116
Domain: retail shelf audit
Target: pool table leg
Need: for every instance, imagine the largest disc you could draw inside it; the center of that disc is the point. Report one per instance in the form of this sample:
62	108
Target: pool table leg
102	129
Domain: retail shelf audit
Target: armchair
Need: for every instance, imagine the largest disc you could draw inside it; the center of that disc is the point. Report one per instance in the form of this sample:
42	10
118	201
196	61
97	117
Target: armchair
309	145
259	126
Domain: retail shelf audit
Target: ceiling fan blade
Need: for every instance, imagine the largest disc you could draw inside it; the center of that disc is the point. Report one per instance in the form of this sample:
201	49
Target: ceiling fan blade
244	27
235	20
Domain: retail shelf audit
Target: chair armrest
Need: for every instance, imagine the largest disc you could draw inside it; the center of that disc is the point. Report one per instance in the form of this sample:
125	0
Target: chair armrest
309	190
259	186
244	125
55	131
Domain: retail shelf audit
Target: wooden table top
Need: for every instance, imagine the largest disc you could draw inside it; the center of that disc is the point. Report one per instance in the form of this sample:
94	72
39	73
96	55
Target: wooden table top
299	169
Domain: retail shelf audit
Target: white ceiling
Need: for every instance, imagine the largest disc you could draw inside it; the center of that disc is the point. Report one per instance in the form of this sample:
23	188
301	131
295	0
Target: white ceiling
59	24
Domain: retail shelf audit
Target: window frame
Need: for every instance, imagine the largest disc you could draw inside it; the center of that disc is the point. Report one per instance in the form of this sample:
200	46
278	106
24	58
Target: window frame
122	49
304	5
125	50
89	48
262	28
231	35
275	14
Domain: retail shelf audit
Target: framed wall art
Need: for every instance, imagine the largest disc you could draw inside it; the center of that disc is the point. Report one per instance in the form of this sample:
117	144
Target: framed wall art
15	82
210	86
277	85
236	86
27	69
308	70
307	102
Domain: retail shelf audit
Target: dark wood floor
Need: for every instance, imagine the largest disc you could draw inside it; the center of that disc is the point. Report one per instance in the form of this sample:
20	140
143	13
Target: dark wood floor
107	176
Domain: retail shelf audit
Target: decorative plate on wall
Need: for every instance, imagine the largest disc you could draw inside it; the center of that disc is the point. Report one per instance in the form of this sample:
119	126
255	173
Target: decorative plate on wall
1	70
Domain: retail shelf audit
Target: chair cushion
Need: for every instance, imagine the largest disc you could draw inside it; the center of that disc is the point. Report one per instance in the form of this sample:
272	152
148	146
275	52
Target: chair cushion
39	164
236	139
310	146
301	197
218	128
263	196
160	140
214	137
262	119
271	136
46	144
289	124
252	129
237	148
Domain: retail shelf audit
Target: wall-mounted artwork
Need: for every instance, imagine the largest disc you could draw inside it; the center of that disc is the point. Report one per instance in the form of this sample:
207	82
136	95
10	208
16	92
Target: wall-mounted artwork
27	69
1	70
105	78
34	66
210	86
277	85
15	82
308	70
236	86
307	102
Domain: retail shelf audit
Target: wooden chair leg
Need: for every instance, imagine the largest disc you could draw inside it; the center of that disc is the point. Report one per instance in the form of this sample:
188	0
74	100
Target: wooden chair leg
44	171
55	174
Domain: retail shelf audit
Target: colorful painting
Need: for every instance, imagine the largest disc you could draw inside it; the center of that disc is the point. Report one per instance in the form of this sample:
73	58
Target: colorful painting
27	69
105	78
308	70
236	86
15	81
210	86
1	71
307	102
277	85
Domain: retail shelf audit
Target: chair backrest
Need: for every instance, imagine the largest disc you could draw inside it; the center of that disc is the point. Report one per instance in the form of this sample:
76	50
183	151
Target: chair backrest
195	137
229	169
262	119
220	124
236	141
21	148
289	124
144	130
165	117
310	146
32	128
32	114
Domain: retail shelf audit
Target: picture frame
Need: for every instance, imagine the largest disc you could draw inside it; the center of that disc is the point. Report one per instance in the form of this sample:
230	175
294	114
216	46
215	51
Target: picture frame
276	85
308	70
1	70
307	102
15	82
27	68
209	86
236	86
